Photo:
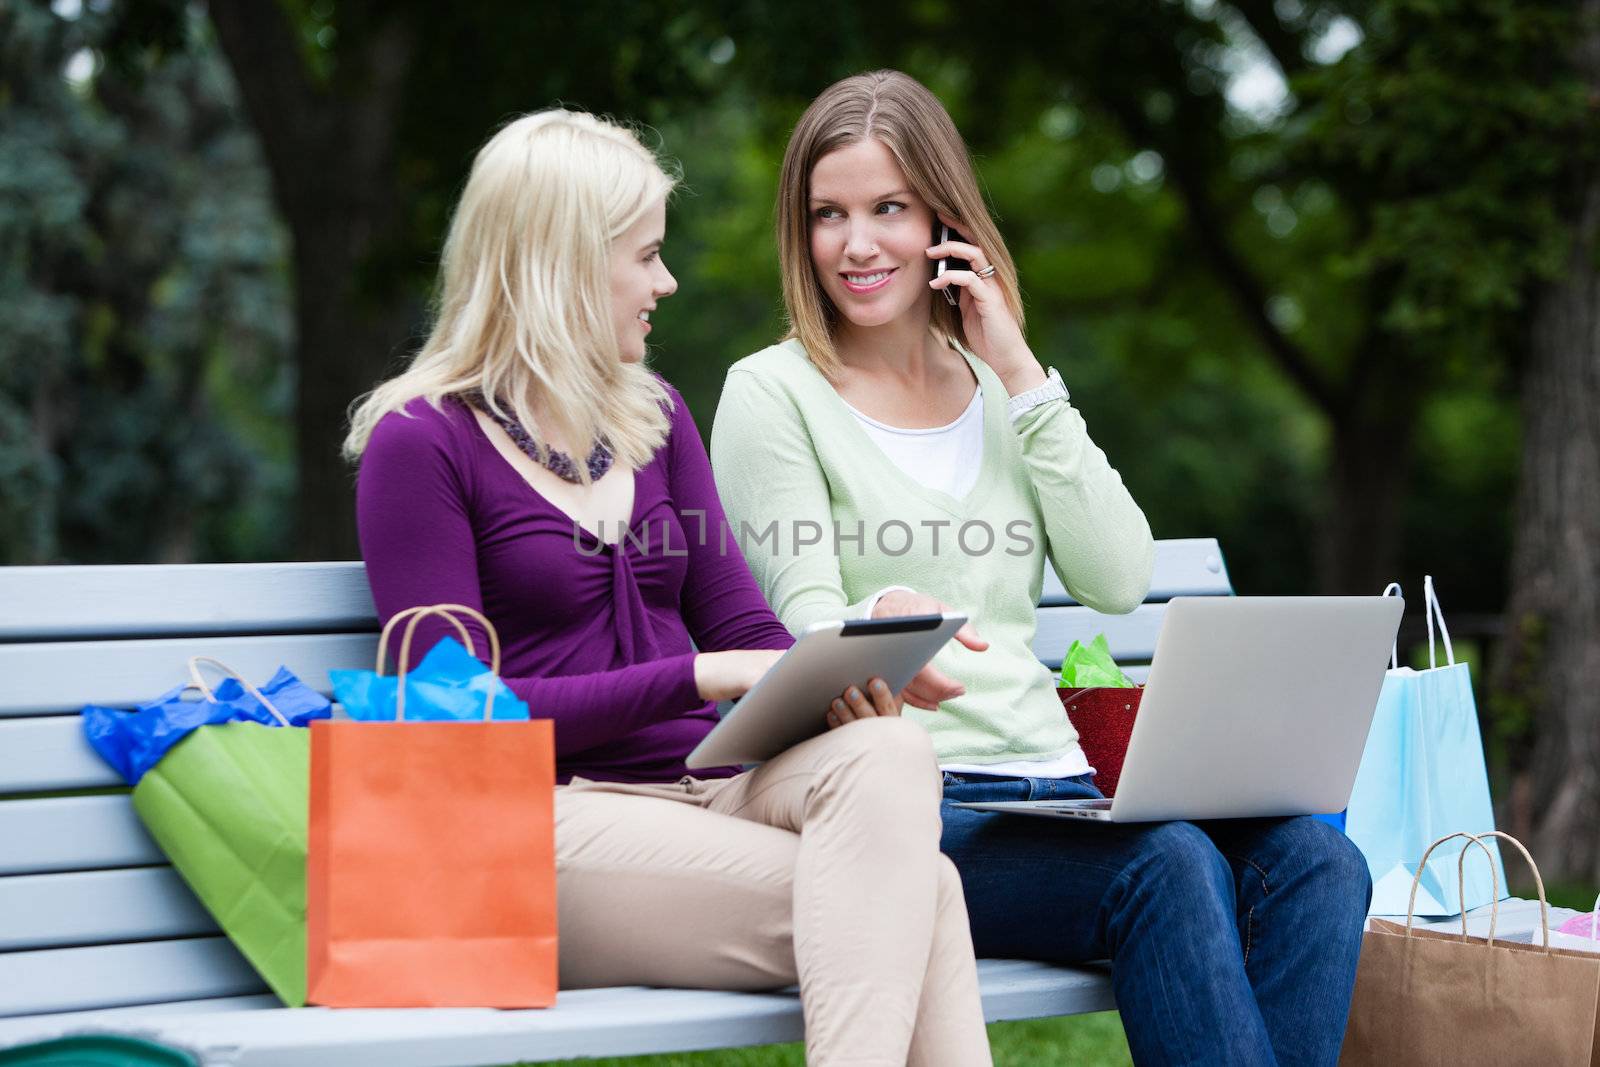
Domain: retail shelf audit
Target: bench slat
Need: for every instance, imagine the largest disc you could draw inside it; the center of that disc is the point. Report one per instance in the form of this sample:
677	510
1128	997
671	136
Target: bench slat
592	1022
41	603
62	676
205	1006
44	603
109	976
49	752
1190	566
98	907
73	834
1132	637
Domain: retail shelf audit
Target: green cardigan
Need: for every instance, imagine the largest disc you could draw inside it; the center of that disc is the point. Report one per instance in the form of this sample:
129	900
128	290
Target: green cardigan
826	520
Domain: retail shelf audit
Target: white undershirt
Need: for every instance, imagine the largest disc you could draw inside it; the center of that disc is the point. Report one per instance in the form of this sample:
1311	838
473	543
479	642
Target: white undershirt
948	459
945	458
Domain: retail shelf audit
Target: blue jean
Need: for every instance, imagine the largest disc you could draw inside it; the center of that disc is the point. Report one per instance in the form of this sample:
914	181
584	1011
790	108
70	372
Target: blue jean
1231	941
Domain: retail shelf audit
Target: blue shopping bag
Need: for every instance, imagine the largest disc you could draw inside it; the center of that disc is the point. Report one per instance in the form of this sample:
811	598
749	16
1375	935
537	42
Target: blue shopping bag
1422	777
450	684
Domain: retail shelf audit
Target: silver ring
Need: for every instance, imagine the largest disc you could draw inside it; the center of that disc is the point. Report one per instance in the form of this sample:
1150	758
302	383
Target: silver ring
987	272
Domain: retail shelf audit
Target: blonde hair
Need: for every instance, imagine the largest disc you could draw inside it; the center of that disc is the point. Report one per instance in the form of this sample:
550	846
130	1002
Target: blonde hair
524	307
900	112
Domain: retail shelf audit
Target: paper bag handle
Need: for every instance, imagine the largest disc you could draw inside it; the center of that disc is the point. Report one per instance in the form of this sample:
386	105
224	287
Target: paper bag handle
200	684
1416	881
402	616
1494	912
1544	904
448	613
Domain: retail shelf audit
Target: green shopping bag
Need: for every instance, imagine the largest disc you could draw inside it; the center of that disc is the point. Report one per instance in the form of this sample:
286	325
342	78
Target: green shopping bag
228	806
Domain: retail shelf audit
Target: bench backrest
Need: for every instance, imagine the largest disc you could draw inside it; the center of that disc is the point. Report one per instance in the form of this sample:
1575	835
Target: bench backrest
91	916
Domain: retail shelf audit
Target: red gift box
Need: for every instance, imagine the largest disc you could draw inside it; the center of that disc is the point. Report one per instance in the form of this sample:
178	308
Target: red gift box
1103	717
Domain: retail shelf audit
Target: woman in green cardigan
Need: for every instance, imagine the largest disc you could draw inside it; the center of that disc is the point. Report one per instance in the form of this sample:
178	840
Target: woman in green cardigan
903	451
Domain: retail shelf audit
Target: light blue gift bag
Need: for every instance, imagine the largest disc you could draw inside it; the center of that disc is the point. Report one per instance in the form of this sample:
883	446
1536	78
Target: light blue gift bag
1422	777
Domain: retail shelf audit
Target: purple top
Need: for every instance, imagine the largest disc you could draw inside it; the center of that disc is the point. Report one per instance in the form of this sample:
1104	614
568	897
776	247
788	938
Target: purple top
596	637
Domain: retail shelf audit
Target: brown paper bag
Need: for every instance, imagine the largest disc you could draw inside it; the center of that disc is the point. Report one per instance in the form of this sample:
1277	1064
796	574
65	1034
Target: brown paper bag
1430	997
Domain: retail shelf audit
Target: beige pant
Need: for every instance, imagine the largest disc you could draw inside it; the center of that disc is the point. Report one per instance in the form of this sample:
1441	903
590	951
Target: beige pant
820	867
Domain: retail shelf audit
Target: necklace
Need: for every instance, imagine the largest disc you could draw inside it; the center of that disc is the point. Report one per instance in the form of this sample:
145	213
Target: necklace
558	463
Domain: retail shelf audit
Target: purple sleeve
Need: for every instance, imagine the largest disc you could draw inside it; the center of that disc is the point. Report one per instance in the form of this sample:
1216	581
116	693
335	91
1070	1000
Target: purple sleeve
417	540
722	605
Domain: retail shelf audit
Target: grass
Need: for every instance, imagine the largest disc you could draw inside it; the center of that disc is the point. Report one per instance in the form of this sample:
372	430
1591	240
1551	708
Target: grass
1094	1040
1576	895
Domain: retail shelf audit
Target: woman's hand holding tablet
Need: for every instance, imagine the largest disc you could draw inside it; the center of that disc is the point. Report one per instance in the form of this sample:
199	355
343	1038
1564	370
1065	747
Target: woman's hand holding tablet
730	675
931	686
827	663
855	704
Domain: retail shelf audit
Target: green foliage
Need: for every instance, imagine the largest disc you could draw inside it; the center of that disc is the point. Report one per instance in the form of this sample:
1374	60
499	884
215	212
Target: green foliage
143	319
1452	127
1391	215
1579	896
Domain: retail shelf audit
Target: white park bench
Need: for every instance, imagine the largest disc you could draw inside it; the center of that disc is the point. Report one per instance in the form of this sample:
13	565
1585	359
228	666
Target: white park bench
99	935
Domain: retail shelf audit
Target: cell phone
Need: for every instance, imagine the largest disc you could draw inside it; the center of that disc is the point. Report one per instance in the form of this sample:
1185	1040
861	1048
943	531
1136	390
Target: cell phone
941	234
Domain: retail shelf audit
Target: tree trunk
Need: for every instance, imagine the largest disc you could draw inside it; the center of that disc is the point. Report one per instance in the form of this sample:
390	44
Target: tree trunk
1547	674
1369	476
343	349
330	147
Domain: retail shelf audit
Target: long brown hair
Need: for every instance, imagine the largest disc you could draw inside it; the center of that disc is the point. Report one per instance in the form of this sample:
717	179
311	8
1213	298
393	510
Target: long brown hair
906	118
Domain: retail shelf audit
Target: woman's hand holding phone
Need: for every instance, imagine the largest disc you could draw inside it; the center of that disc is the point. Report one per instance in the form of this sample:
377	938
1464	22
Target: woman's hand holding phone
992	331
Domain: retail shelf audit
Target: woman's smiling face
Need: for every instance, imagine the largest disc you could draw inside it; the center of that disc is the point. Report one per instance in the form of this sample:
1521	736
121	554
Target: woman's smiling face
870	235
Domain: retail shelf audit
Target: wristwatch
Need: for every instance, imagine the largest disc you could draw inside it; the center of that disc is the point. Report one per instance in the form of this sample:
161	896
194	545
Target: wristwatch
1052	389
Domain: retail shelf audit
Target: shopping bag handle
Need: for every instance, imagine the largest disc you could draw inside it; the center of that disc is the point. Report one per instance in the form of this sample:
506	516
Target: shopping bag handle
402	616
1494	912
1432	610
1076	693
205	690
1416	881
1394	648
447	612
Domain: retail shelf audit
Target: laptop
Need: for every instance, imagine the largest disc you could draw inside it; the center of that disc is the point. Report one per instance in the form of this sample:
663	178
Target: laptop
1254	706
790	702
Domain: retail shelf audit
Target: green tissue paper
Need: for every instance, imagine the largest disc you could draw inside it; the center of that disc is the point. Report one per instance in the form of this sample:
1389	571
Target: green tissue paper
1091	665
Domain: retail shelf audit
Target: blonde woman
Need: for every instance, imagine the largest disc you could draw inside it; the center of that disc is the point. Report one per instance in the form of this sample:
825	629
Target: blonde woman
914	453
529	465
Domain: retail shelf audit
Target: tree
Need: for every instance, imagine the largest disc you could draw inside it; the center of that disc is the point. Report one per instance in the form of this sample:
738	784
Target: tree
1374	239
1333	242
139	299
368	120
1547	677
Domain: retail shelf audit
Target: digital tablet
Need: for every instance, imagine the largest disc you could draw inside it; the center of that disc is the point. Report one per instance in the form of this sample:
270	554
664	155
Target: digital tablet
790	702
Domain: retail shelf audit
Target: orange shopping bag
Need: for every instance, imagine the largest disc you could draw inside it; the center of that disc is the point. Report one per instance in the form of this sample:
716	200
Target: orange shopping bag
430	873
